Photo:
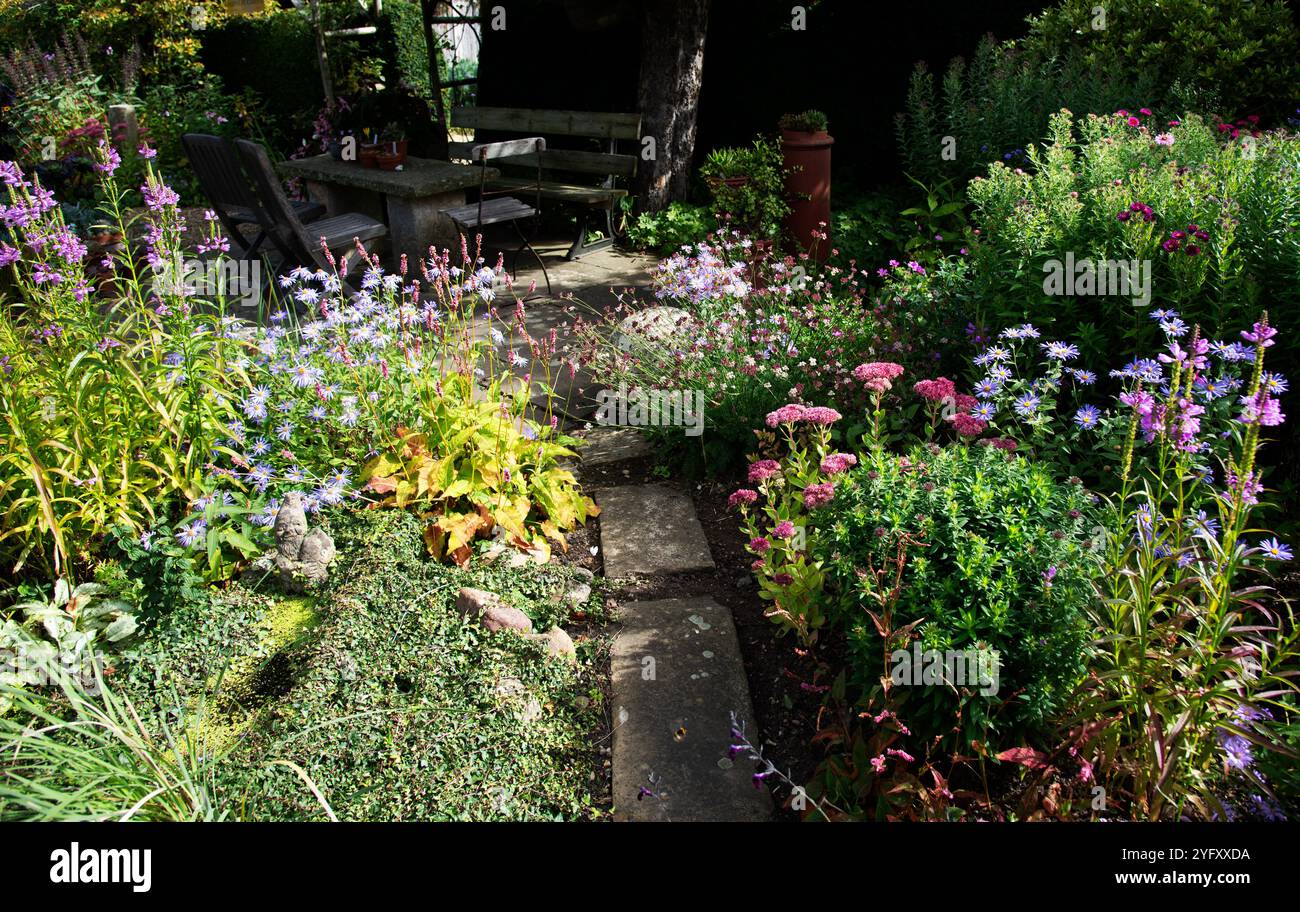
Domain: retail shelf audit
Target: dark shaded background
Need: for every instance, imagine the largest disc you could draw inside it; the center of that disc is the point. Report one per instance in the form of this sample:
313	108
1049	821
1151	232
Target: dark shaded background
852	62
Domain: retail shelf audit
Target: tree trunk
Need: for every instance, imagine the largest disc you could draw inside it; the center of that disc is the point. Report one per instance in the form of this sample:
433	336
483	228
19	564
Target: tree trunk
672	68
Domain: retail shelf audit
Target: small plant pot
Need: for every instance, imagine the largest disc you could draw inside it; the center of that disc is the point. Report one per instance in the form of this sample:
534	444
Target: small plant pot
368	155
336	150
389	161
732	182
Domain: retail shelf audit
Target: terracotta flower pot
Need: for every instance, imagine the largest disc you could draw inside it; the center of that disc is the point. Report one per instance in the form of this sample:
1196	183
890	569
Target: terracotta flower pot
808	185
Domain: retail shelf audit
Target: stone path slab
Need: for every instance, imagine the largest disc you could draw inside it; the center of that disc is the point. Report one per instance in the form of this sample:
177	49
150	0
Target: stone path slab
646	530
677	677
607	445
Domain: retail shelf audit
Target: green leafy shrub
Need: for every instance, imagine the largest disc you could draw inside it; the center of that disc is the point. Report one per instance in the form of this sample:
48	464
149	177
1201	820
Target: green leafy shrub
992	107
672	228
748	187
996	561
1243	55
1213	217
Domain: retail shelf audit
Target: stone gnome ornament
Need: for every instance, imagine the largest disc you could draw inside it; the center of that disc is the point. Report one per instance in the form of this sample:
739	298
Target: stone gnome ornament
302	557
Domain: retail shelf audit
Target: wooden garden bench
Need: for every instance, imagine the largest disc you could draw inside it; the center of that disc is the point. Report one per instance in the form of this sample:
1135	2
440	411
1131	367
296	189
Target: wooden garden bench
580	179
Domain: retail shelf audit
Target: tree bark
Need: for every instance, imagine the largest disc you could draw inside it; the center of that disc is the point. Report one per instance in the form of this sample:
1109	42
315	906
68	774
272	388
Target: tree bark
672	69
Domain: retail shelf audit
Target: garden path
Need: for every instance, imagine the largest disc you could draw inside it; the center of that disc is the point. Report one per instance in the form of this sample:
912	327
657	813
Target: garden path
676	666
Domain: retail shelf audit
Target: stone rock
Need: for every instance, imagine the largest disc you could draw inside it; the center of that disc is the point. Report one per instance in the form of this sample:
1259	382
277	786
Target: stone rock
557	643
577	595
654	324
583	572
302	557
490	611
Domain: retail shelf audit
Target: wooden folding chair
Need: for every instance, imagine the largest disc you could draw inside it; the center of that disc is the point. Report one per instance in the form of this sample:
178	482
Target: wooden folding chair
224	183
493	208
299	244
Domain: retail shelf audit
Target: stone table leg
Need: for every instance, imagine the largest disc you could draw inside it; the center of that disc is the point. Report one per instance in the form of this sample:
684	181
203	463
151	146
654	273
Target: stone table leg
339	200
415	223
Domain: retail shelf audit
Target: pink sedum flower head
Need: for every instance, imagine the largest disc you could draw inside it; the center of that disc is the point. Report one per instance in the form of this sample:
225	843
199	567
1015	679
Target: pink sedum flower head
786	414
821	415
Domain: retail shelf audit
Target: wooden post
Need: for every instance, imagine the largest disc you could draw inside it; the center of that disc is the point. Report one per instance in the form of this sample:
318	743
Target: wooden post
440	138
322	55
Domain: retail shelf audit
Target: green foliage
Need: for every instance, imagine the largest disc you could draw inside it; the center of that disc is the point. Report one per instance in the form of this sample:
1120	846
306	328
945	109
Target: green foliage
993	107
63	633
394	705
98	759
110	411
810	121
748	187
1195	665
1076	196
159	571
168	31
672	228
866	230
271	58
995	559
403	26
1242	54
471	471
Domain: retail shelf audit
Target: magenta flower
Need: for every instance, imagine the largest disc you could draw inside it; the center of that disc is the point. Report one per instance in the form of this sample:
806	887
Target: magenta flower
743	496
818	495
935	390
836	463
763	469
786	414
821	415
784	529
759	545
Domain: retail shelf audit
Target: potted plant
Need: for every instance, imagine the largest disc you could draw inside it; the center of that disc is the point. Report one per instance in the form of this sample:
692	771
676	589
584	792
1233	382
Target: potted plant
726	167
748	188
806	151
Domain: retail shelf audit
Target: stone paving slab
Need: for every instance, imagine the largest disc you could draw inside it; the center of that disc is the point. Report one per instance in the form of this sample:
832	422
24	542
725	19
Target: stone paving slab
646	530
677	677
606	445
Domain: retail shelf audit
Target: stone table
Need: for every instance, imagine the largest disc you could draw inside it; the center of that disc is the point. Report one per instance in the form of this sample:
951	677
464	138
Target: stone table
407	201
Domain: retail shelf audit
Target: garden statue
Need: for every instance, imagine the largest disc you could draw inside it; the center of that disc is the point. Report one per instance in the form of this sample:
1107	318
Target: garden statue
302	557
